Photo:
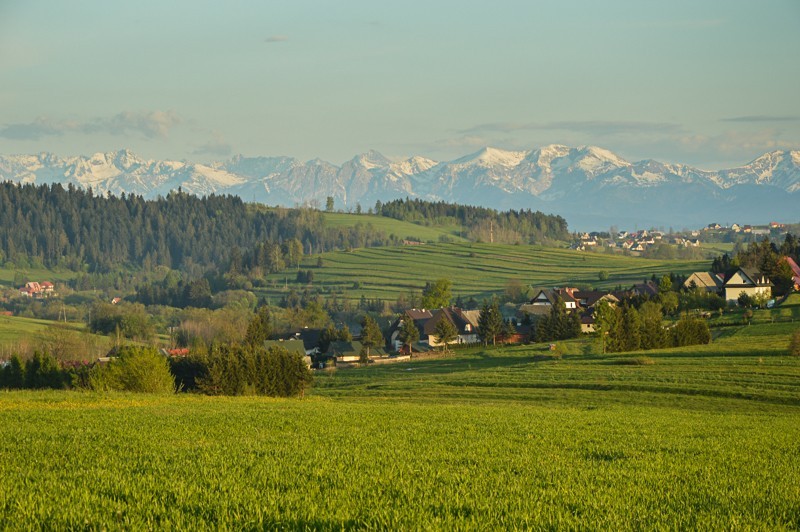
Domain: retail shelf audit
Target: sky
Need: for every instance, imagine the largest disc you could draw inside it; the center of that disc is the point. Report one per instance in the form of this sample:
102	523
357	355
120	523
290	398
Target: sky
711	83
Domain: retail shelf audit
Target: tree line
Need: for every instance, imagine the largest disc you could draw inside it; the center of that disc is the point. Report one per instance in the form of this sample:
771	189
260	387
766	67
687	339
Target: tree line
481	223
49	225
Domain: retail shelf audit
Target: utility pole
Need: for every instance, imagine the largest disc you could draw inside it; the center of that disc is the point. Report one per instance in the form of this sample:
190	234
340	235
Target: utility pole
491	231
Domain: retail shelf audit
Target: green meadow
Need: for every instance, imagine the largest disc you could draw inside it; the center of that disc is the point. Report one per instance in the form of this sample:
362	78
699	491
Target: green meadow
520	437
478	270
399	228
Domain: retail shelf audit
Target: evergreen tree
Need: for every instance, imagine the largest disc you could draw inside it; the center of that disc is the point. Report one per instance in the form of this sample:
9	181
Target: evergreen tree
630	329
490	322
653	335
371	335
409	334
606	326
259	329
445	332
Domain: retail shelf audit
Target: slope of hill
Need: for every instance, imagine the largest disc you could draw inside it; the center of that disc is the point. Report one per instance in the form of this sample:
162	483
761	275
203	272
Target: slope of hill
590	186
476	270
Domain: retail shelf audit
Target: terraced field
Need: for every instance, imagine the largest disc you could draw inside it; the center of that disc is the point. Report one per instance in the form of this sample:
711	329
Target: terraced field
476	269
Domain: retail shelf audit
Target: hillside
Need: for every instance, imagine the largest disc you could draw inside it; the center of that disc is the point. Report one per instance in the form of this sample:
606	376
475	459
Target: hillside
390	226
477	270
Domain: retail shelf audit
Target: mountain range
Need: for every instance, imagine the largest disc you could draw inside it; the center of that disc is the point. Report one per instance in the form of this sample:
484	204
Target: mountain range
591	187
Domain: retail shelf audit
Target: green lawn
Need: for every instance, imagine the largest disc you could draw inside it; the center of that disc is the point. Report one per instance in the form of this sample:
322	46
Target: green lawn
692	438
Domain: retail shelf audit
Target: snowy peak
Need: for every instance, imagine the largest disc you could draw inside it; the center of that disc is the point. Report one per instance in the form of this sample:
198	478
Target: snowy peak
572	181
371	160
488	157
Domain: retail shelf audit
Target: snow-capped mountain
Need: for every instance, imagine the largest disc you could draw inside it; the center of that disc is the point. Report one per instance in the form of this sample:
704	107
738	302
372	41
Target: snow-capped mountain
590	186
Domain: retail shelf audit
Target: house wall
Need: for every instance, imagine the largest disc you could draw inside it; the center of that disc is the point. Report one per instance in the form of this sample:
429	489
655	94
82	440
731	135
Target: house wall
733	293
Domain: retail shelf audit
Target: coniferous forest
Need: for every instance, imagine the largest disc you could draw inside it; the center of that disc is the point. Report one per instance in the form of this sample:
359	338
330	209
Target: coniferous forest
50	225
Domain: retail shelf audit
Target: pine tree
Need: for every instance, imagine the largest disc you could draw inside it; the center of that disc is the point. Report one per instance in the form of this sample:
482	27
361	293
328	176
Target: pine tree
371	335
445	332
409	334
259	329
630	329
490	322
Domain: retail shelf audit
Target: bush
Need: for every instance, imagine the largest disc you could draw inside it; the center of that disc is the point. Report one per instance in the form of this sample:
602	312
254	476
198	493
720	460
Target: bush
246	370
12	374
43	371
691	331
136	369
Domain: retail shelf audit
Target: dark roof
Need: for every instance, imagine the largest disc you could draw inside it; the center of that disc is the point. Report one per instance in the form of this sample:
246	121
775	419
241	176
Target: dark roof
454	315
589	298
310	337
293	346
418	314
648	288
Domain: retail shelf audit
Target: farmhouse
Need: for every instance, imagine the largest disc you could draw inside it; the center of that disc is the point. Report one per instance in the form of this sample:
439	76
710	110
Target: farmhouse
748	281
548	297
708	281
38	290
464	321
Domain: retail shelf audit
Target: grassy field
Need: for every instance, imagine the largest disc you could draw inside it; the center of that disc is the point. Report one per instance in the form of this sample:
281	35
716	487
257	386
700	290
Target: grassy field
475	269
7	275
399	228
691	438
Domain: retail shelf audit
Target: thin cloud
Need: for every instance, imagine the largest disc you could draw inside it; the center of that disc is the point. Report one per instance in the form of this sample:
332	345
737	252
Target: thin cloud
216	146
763	118
41	127
608	127
276	38
149	124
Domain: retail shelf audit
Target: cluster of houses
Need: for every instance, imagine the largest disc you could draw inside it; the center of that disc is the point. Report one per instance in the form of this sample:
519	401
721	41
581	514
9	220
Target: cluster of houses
759	230
306	342
635	242
37	290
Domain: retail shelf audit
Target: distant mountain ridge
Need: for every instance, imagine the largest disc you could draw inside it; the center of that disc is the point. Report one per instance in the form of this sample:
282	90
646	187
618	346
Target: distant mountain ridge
590	186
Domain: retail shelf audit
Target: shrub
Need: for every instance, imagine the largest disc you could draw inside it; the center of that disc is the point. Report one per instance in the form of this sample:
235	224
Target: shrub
245	370
12	374
136	369
43	371
691	331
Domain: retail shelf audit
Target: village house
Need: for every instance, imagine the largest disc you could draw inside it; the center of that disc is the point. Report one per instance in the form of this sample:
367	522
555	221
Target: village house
465	323
748	281
708	281
37	290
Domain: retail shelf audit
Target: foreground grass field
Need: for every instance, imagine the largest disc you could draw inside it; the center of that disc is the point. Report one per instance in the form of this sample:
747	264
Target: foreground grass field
515	438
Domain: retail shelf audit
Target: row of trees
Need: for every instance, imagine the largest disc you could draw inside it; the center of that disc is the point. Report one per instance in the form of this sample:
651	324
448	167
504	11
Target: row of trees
624	328
481	223
225	369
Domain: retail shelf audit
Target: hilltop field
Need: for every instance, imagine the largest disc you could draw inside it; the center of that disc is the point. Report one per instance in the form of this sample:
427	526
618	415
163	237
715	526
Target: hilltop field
520	437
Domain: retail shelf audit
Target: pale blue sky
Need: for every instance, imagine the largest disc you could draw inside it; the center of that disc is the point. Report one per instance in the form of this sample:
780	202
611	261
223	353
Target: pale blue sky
710	83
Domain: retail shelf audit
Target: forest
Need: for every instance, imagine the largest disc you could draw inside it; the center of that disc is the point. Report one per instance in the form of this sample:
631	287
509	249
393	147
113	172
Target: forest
53	226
